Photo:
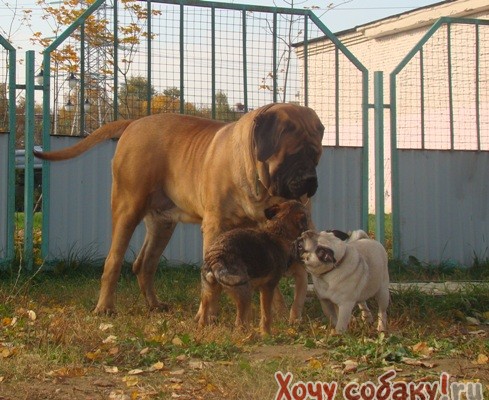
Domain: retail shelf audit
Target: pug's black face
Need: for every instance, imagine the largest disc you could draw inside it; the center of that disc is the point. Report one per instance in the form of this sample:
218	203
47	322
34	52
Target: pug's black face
304	244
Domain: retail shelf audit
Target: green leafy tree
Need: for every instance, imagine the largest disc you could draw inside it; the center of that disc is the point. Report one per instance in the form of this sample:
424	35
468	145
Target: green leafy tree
133	95
99	39
20	126
223	110
172	93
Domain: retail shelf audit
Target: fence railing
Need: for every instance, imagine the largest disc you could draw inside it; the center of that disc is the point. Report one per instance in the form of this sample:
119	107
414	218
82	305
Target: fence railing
214	60
220	60
440	143
7	150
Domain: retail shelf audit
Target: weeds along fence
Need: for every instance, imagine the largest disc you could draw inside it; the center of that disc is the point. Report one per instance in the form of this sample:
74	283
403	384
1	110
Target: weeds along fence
220	60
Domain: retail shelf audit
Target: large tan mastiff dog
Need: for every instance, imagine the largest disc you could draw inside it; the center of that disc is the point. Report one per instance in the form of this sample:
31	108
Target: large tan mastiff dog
171	168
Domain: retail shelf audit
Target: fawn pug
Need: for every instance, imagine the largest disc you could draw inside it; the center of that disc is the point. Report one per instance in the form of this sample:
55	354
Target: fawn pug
345	273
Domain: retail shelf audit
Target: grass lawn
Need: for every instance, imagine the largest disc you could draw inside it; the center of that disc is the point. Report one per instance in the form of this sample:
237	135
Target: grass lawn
53	347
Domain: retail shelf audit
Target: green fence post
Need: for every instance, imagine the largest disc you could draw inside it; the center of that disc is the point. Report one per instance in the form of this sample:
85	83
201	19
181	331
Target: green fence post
396	230
12	59
245	61
182	60
29	161
149	72
46	112
379	156
46	146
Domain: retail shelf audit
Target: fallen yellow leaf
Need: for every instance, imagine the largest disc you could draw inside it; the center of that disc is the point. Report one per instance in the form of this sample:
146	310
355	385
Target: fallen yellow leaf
177	372
350	366
176	386
423	349
314	363
103	327
8	352
111	370
93	355
68	372
156	367
482	359
110	339
118	395
210	388
130	381
135	371
413	361
31	315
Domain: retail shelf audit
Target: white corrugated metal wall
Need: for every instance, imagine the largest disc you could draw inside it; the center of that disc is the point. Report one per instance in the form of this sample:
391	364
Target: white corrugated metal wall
338	201
441	131
443	201
80	204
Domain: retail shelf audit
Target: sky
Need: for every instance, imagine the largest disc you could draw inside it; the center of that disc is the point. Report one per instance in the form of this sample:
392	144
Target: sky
344	14
337	15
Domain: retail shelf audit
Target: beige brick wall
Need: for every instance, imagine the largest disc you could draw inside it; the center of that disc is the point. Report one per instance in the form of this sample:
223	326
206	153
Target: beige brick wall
381	46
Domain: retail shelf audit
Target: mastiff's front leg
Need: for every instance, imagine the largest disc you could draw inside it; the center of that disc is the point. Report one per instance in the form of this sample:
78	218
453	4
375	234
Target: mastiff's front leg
211	229
299	273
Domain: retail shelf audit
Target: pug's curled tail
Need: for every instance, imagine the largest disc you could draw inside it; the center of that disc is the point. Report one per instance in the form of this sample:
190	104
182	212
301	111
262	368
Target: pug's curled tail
357	235
223	275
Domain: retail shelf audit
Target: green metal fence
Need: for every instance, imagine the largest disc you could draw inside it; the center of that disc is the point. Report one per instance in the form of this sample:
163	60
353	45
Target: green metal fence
218	60
210	59
440	143
7	137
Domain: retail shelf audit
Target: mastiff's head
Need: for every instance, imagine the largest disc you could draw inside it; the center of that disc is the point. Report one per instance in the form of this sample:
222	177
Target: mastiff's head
287	144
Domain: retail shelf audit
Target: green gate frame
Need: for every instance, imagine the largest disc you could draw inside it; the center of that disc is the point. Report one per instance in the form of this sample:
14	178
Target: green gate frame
396	233
10	206
79	23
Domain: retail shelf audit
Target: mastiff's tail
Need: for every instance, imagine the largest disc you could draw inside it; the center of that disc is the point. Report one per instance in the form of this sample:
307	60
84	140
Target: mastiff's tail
112	130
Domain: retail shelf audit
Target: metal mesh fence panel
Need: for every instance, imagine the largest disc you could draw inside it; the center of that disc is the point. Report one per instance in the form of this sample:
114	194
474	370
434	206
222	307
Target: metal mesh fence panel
201	60
442	93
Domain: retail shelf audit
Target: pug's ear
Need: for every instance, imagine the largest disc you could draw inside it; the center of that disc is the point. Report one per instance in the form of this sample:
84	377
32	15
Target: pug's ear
325	254
272	211
266	136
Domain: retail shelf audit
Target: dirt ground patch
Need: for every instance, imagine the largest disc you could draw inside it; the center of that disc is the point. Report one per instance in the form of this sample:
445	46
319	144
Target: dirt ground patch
195	379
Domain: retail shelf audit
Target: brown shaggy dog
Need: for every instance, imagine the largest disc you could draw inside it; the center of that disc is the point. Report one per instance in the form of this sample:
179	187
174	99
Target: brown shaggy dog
243	259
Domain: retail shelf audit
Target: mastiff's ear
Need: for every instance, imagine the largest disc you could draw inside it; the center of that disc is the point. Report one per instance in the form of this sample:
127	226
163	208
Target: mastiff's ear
325	254
266	135
272	211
